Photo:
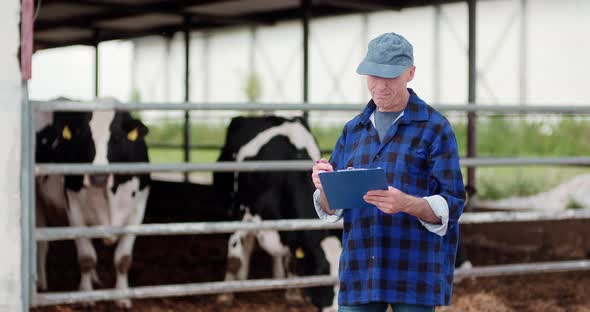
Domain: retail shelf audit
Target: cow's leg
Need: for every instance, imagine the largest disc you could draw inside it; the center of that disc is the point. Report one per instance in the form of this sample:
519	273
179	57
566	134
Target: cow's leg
122	263
123	252
270	241
292	295
86	252
239	250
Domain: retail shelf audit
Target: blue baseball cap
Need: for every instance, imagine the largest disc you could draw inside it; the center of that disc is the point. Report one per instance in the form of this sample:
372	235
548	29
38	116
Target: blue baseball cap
388	56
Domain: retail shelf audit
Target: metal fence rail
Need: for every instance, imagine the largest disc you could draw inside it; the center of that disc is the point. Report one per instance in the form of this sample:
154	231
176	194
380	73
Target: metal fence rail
228	166
524	268
275	165
506	109
65	233
45	299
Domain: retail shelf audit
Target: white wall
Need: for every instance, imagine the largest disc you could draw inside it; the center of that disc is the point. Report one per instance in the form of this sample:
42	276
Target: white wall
10	107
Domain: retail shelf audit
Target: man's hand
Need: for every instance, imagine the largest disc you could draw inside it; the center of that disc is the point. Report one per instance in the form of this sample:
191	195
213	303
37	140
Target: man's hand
393	200
389	201
321	165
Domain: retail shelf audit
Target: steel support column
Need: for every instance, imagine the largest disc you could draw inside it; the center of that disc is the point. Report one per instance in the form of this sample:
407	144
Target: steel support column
252	52
306	16
523	52
471	116
96	63
364	43
186	139
27	188
436	78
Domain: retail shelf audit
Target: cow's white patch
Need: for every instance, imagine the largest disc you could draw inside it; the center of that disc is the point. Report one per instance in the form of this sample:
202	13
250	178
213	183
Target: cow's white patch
297	134
100	126
125	201
270	241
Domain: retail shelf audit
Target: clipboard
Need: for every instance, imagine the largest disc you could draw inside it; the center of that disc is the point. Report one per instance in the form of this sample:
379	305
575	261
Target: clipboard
345	189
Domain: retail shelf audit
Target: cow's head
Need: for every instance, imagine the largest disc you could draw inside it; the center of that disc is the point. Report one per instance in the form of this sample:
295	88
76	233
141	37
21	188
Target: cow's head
68	139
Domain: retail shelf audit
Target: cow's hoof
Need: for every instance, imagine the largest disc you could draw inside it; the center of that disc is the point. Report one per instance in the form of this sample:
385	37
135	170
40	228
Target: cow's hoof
225	299
294	297
123	304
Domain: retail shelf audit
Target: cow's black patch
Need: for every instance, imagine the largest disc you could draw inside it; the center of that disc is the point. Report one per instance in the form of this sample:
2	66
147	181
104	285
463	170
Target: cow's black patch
123	149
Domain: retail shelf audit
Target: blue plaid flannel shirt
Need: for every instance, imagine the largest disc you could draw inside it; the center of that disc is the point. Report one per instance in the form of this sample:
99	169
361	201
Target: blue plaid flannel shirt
393	258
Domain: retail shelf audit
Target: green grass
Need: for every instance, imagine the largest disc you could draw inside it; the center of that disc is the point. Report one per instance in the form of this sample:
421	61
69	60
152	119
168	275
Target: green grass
170	132
509	137
165	155
496	136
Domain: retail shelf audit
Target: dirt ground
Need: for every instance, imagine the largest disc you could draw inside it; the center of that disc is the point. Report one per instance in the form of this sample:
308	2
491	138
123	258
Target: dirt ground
189	259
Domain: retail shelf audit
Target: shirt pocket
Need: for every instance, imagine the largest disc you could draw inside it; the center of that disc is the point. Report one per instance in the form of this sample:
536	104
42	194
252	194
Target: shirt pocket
412	172
416	162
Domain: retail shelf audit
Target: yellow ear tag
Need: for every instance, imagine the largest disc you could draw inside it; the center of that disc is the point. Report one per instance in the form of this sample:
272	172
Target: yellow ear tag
66	133
299	254
132	135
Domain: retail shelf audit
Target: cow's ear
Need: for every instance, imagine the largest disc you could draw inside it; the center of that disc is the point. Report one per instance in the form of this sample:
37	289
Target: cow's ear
135	130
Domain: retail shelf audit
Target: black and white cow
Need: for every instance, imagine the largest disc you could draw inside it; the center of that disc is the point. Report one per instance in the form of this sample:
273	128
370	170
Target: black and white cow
253	196
99	137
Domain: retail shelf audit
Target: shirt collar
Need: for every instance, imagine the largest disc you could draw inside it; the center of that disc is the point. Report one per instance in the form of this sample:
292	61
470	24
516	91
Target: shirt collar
416	110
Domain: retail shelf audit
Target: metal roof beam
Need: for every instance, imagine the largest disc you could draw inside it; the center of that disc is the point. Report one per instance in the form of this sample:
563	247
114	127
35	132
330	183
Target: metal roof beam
117	11
112	34
372	5
229	20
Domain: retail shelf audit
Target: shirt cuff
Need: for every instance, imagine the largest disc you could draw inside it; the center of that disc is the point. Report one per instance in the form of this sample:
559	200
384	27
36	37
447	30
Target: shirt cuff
321	213
441	209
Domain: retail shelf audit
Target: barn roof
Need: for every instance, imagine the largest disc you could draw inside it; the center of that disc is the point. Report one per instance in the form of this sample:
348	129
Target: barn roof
70	22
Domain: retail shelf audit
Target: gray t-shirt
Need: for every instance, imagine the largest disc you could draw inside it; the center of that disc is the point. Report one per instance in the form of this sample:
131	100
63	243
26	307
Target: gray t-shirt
384	120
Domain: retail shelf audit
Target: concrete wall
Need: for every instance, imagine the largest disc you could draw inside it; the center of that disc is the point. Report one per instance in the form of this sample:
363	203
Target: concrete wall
10	158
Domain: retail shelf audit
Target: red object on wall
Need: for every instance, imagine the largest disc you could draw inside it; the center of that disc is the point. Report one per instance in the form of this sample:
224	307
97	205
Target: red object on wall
26	38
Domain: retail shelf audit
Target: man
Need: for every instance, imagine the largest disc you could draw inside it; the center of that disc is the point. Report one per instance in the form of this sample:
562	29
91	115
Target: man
401	251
